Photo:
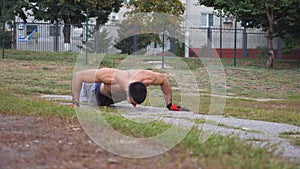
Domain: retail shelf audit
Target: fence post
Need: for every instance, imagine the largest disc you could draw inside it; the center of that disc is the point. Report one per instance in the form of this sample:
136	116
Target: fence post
3	28
235	32
56	42
163	43
244	43
15	35
86	34
221	37
209	41
187	31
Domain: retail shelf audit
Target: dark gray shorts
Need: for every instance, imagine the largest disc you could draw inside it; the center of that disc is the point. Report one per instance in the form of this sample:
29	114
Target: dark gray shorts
102	100
91	93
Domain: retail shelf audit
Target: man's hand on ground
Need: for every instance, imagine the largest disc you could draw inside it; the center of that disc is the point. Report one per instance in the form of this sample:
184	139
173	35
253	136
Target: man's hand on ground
74	104
174	107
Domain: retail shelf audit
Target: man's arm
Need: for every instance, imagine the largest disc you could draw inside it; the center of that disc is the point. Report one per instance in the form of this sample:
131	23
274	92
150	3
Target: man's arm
104	75
166	89
155	78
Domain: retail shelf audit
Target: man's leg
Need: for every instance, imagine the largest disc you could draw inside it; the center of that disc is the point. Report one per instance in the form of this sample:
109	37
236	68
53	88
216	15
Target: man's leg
83	96
102	100
88	93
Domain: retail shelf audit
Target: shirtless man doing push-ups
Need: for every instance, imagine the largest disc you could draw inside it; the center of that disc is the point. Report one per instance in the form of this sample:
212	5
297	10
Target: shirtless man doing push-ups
107	86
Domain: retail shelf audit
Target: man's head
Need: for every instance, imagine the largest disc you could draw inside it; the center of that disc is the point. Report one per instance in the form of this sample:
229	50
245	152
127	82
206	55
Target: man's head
137	92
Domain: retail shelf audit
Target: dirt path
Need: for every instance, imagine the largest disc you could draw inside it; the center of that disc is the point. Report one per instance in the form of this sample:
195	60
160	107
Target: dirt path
40	142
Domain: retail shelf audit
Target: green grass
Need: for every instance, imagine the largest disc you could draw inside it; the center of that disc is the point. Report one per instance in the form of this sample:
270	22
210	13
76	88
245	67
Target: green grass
58	57
35	73
293	136
216	152
230	153
31	77
286	111
27	75
26	105
133	129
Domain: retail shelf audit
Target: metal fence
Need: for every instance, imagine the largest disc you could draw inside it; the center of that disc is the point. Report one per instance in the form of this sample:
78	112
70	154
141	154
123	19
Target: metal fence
50	37
45	37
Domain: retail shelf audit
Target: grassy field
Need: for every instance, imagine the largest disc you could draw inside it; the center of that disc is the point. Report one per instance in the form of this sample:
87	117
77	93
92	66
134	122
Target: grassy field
27	75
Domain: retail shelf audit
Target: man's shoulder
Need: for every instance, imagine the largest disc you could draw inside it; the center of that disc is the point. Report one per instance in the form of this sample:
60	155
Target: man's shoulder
107	69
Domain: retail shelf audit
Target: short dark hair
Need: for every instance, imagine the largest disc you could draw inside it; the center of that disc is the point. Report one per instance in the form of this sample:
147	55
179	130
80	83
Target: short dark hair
138	91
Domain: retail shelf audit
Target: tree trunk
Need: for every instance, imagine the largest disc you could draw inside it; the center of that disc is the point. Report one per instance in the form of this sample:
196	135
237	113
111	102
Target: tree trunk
67	34
270	61
270	15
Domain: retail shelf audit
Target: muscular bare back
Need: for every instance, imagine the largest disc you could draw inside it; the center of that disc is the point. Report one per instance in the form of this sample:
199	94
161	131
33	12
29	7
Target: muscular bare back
118	89
116	82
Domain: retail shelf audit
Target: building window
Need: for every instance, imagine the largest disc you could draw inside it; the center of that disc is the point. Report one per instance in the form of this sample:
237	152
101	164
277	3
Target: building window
207	20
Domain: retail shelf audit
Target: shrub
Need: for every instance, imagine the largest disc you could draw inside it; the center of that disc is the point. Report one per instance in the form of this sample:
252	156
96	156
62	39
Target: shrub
262	51
8	39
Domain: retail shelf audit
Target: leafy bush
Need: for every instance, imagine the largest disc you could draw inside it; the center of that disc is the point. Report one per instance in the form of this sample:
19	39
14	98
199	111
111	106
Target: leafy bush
128	45
8	39
177	47
262	52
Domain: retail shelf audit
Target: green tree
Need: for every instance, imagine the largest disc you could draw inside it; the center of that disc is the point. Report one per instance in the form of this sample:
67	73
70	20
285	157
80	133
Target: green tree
101	10
173	7
14	8
150	16
129	41
278	18
67	11
8	39
73	12
103	45
177	47
9	9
